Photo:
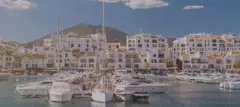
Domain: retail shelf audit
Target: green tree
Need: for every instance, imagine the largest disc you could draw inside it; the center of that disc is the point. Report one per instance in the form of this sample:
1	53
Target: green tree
2	53
147	66
17	61
132	56
42	57
30	58
77	54
237	64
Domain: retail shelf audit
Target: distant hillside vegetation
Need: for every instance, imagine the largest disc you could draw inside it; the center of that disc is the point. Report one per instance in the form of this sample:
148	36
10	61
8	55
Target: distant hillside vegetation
113	34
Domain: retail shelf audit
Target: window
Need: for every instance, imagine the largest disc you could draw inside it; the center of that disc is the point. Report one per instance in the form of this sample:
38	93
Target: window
139	41
160	55
191	40
109	46
66	55
214	44
139	45
117	46
79	45
214	40
119	60
154	55
199	45
182	45
91	60
72	45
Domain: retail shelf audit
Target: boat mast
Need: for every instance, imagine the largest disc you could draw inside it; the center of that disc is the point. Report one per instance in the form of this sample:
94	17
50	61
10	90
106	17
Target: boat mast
103	33
58	68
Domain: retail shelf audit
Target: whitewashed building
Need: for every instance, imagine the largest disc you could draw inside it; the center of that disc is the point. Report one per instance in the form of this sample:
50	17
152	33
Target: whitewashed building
204	44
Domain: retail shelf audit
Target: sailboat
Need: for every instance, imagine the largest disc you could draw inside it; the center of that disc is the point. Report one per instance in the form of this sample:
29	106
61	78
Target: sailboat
102	94
233	82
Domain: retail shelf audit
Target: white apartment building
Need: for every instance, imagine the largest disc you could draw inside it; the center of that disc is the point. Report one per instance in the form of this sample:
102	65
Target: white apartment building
205	44
65	57
143	43
118	57
211	61
152	49
114	45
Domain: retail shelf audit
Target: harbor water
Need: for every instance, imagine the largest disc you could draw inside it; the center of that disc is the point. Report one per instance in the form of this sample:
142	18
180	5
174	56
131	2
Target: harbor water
180	95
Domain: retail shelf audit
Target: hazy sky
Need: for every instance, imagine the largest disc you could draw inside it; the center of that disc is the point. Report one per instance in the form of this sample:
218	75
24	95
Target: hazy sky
24	20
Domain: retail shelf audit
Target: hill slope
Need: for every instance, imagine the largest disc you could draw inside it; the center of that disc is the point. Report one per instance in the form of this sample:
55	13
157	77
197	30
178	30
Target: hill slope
113	35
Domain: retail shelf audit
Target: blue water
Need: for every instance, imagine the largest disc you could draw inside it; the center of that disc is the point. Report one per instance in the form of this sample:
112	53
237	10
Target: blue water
180	95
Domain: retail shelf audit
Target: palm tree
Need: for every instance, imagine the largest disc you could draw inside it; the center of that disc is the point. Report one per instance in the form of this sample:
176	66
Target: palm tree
147	65
17	61
2	53
36	56
30	58
94	47
77	54
42	57
107	61
132	56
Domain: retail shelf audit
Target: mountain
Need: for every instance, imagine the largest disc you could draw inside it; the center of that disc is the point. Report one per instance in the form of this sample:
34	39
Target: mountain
113	34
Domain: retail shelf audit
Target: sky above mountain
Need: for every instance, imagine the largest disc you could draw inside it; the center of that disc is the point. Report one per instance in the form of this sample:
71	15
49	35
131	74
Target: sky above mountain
24	20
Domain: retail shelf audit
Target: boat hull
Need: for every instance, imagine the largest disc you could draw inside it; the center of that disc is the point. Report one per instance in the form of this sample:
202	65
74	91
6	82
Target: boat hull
123	97
140	97
102	97
150	89
60	96
230	85
33	91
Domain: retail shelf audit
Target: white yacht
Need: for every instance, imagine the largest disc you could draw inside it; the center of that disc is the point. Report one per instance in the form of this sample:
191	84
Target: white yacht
34	89
101	93
60	92
140	95
121	95
102	96
232	83
146	85
38	89
213	80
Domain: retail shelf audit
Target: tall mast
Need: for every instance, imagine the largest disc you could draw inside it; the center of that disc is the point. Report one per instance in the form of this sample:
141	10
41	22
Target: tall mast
103	22
58	69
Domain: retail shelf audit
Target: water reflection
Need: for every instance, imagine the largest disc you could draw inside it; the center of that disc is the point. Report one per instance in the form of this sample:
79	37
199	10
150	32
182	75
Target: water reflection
97	104
55	104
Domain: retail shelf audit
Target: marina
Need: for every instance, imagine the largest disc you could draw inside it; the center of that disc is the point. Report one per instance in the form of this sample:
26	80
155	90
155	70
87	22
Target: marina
182	94
91	65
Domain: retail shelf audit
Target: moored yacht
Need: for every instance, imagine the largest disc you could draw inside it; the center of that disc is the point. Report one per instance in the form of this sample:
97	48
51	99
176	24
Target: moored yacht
140	95
232	83
147	85
102	95
34	89
213	80
121	95
60	92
